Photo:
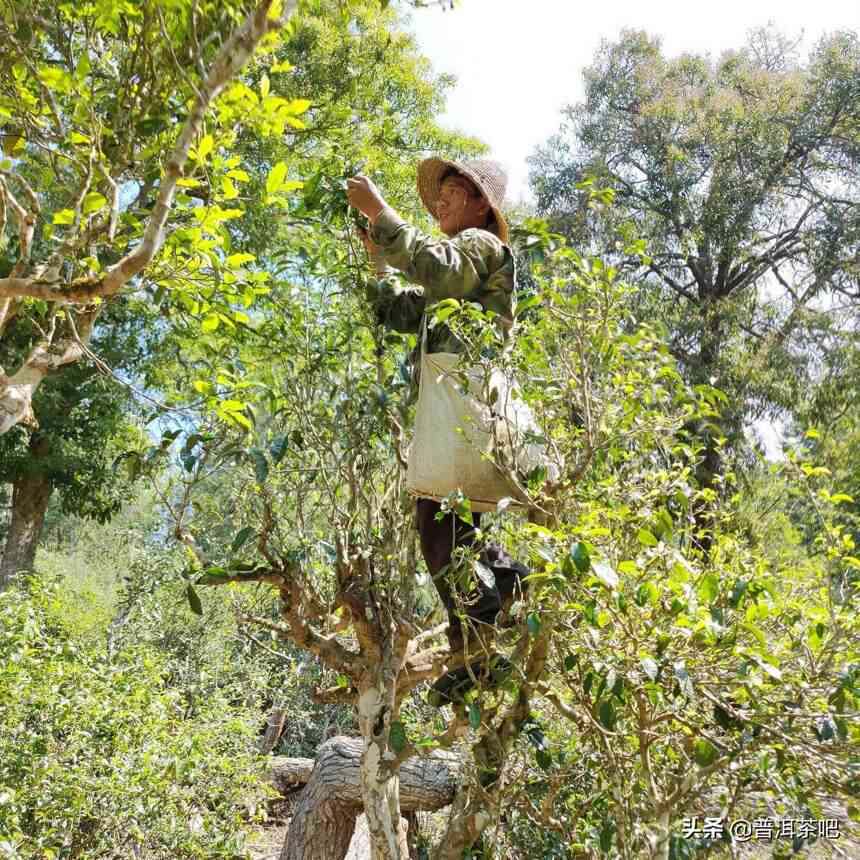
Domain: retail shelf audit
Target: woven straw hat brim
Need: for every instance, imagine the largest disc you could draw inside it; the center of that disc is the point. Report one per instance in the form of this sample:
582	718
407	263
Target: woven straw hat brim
430	173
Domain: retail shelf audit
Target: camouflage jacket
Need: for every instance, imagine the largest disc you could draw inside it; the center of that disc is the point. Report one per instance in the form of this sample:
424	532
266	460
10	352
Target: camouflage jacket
473	266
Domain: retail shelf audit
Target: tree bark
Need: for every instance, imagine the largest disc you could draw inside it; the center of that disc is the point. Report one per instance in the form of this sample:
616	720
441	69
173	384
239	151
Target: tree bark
47	357
30	496
380	780
274	728
324	820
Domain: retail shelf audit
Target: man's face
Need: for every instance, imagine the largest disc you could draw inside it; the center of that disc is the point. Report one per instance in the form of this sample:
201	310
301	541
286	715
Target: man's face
460	206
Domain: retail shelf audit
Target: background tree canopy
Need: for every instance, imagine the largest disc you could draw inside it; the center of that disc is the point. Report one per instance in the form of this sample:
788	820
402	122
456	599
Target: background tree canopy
740	176
205	431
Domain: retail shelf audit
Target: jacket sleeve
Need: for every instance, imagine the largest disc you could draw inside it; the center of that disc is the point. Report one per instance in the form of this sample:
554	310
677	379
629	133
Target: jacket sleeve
446	269
397	305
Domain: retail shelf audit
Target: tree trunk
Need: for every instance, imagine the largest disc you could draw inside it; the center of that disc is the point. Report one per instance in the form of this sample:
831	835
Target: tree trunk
324	820
380	771
30	496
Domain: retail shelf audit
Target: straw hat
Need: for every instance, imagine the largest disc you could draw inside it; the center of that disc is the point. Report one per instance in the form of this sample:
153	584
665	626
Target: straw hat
488	177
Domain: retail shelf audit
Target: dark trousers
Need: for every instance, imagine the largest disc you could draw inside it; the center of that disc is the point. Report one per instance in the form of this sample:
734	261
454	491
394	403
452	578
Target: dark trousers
438	540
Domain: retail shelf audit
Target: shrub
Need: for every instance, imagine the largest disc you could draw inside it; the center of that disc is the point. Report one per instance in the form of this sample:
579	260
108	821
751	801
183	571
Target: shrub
99	756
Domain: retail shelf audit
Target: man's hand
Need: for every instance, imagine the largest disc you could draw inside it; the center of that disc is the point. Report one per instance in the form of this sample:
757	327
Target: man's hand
373	250
365	196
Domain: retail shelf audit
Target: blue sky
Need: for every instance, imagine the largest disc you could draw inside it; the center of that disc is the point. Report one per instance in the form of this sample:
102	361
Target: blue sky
519	61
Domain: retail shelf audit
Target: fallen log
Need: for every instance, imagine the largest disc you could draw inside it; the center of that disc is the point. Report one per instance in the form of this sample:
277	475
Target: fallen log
324	819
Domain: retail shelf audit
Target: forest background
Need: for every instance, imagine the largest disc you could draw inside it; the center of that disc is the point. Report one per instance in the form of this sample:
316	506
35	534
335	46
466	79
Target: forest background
207	549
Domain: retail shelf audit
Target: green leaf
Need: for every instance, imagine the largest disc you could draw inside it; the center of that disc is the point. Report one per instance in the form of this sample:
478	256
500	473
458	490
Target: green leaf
93	202
709	587
236	260
475	715
56	78
704	752
577	559
261	464
133	464
646	538
276	177
442	313
605	574
530	302
64	216
232	405
241	536
228	189
607	834
607	714
278	448
210	323
193	599
397	736
463	509
663	524
646	593
738	591
297	106
214	576
206	145
536	477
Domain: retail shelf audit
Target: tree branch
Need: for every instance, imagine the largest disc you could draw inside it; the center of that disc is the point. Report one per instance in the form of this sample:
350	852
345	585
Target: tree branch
231	58
16	391
26	228
681	291
298	630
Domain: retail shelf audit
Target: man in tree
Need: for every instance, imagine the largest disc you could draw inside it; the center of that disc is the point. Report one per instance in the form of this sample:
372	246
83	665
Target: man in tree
474	264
